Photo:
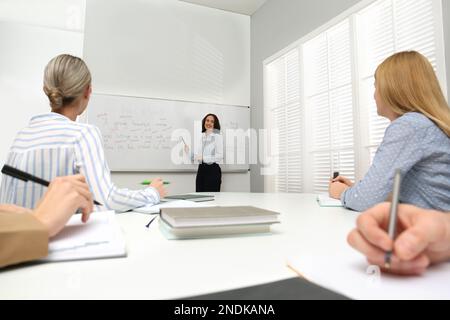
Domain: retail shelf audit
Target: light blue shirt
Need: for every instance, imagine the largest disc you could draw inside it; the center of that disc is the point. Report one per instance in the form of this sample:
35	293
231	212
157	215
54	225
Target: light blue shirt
421	150
53	145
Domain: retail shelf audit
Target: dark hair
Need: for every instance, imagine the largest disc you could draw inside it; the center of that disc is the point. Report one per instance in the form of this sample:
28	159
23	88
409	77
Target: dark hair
216	122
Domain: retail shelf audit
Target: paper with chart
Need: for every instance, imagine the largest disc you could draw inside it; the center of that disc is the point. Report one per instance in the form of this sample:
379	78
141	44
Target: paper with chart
100	237
346	271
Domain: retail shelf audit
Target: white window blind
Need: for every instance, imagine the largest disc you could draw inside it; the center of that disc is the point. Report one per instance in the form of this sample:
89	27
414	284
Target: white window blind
384	28
328	93
283	101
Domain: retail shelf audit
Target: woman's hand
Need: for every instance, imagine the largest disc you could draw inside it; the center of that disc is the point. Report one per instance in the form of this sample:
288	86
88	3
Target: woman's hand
64	196
158	184
335	189
343	180
337	186
423	238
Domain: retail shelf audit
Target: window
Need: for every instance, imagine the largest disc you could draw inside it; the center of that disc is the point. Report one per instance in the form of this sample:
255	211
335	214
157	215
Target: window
384	28
328	96
319	95
283	104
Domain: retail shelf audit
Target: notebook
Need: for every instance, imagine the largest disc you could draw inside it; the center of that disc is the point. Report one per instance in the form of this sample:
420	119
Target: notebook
191	197
326	201
100	237
211	231
153	209
215	216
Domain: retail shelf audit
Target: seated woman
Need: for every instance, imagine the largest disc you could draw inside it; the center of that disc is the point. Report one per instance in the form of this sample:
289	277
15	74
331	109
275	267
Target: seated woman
54	145
417	141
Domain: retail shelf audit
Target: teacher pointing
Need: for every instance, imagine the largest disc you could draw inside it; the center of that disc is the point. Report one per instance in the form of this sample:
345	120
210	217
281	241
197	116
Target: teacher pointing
208	153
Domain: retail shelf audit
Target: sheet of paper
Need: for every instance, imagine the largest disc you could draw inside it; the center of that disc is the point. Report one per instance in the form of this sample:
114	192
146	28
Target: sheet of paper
100	237
171	204
348	273
79	234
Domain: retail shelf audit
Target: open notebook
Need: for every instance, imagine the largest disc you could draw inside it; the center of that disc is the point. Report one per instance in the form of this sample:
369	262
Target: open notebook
325	201
100	237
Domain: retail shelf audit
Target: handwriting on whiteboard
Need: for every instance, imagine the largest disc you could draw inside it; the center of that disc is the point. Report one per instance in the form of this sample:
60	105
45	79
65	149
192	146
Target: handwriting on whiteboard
129	133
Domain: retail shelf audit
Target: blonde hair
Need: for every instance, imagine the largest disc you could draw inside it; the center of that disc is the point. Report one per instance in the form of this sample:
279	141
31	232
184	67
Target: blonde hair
406	82
65	79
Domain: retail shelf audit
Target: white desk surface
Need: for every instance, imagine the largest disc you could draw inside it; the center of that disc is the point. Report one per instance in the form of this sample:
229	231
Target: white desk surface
156	268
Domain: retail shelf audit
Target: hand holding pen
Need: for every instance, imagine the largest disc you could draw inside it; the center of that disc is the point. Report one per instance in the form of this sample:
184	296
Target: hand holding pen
392	227
423	238
158	184
186	147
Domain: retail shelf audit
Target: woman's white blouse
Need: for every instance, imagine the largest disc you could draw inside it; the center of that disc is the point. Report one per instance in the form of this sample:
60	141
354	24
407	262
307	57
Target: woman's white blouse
209	149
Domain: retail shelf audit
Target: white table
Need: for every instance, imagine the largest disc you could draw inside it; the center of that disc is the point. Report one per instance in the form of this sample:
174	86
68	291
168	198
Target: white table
156	268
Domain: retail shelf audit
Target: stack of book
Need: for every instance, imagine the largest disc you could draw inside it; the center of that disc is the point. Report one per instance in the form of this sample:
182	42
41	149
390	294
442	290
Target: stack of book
190	197
191	223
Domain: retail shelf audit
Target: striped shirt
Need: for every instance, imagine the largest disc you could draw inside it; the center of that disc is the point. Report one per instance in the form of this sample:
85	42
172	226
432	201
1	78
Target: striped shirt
52	145
421	150
210	148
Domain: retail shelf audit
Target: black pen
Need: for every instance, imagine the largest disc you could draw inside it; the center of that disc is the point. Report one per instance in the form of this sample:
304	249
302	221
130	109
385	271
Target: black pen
393	215
148	225
24	176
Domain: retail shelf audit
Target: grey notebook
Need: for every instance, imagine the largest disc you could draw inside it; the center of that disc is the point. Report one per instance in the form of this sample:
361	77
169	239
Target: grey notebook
212	231
217	216
191	197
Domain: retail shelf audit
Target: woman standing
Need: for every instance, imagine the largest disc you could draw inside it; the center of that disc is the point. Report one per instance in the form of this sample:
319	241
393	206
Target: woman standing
208	153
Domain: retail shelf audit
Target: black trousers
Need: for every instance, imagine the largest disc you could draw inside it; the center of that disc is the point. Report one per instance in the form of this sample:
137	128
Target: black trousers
209	178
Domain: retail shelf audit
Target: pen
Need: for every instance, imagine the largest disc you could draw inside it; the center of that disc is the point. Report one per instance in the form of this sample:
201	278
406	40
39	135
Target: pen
24	176
148	225
149	182
393	215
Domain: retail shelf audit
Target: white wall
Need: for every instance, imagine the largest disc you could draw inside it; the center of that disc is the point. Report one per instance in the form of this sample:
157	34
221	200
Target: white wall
28	41
66	15
171	50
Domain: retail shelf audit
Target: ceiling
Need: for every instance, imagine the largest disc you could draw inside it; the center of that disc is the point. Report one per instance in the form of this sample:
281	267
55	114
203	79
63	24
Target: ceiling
247	7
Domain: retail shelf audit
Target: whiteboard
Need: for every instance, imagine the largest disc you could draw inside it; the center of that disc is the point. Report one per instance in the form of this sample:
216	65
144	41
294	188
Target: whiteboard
142	134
